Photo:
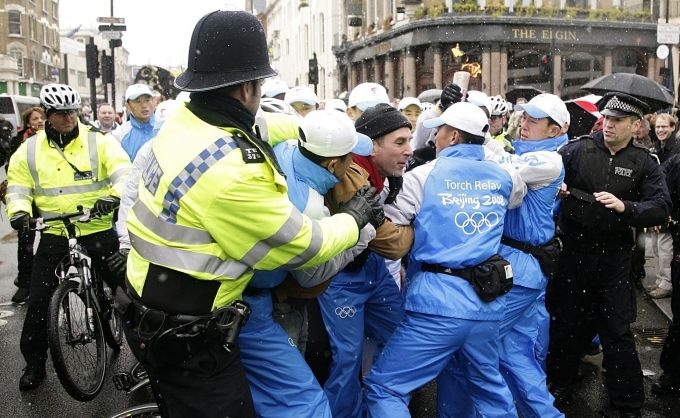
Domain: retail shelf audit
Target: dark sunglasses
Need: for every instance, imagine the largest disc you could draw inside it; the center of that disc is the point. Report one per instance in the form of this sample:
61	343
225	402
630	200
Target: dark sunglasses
67	112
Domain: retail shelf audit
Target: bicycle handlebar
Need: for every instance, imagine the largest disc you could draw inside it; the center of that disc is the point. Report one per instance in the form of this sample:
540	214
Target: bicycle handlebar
41	223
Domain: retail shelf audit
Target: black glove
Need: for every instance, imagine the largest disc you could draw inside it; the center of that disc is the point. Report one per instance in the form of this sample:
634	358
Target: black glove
21	222
106	205
450	95
365	208
117	261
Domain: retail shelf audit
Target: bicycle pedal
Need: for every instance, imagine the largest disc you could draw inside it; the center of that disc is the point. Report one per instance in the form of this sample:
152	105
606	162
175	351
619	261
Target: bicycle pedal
124	381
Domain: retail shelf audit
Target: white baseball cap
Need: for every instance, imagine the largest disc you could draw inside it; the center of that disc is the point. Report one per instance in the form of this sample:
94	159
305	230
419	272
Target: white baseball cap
480	99
336	104
329	133
547	105
367	95
408	101
272	87
136	90
301	94
464	116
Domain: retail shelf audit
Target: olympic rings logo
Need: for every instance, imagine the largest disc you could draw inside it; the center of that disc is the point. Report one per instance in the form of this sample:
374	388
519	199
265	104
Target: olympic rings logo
477	222
345	311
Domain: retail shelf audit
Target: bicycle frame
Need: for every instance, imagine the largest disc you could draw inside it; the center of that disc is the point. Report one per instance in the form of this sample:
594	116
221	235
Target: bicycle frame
78	269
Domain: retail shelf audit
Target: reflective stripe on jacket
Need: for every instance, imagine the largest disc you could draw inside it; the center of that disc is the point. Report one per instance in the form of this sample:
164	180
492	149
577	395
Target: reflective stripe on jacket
39	173
203	210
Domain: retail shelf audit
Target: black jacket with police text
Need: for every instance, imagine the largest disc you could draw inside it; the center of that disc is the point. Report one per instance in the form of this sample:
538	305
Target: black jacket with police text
632	175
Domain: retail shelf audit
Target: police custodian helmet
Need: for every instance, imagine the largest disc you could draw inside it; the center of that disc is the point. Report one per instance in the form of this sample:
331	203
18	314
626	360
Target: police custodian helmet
227	48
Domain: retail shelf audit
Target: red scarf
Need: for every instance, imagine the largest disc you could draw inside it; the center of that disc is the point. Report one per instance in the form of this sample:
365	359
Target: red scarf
374	176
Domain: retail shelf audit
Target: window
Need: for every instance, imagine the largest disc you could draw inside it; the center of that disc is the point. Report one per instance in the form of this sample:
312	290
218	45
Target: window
81	78
322	31
55	10
31	27
44	5
46	35
18	55
14	22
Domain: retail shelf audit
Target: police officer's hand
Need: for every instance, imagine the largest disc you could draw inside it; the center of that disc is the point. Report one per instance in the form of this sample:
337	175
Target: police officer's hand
450	95
563	192
610	201
21	222
106	205
117	261
365	208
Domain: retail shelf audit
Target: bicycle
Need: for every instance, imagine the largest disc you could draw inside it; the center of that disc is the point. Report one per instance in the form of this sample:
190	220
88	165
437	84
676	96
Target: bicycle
130	382
81	316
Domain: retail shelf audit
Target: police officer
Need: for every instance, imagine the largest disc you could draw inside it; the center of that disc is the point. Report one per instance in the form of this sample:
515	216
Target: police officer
212	206
65	165
457	203
669	381
611	185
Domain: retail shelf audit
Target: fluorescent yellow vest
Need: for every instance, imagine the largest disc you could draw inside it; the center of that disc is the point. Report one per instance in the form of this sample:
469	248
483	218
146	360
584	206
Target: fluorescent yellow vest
206	211
38	173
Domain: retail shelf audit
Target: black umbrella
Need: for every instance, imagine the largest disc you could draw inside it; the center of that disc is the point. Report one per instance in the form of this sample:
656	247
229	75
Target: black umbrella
645	89
528	92
430	96
584	114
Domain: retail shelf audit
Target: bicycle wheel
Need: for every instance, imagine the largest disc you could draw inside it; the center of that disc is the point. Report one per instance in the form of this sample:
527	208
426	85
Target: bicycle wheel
78	353
112	325
149	410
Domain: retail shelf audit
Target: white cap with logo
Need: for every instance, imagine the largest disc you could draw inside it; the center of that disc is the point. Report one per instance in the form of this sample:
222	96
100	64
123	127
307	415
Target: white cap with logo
301	94
547	105
136	90
464	116
367	95
329	133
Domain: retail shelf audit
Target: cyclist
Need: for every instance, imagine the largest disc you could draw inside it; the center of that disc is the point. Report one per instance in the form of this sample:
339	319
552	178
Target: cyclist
65	165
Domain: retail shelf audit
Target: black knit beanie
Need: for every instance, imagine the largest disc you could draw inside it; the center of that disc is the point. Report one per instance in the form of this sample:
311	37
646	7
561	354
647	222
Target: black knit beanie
380	120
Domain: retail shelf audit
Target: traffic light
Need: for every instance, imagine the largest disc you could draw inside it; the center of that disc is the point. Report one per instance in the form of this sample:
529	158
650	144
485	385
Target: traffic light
92	60
313	71
545	66
107	68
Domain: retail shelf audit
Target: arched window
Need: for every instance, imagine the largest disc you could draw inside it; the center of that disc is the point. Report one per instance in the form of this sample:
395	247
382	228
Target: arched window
629	60
14	18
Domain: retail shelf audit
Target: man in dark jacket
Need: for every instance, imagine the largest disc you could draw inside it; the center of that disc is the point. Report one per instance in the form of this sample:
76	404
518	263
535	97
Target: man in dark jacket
612	186
669	381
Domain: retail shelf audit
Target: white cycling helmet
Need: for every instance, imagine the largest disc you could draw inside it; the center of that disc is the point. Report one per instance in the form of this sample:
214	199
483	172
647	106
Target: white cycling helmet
271	105
59	97
499	106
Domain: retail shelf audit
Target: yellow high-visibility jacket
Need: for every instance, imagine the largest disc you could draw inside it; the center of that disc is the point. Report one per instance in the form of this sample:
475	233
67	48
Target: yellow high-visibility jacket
39	173
212	206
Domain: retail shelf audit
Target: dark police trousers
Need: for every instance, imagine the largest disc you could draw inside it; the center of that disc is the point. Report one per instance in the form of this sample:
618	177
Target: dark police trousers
593	294
25	258
670	354
210	382
50	252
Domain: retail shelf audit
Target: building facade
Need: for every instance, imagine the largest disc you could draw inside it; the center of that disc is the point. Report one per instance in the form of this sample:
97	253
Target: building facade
75	69
556	47
298	29
29	46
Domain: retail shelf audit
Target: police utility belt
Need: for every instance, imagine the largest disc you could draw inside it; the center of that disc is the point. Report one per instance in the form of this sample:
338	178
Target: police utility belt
548	255
491	279
174	338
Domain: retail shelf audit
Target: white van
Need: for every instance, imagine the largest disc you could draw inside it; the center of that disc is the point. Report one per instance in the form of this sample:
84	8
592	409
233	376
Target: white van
12	106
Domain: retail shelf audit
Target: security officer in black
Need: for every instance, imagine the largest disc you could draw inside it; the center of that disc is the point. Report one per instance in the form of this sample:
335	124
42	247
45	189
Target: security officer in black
611	185
669	381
